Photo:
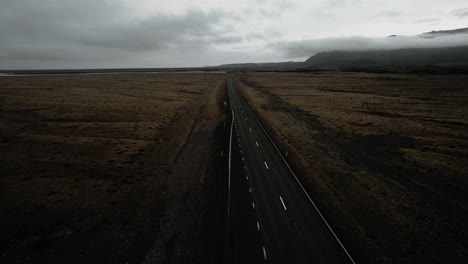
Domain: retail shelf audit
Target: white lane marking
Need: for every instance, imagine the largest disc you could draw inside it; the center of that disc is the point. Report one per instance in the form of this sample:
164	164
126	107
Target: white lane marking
253	205
247	177
245	167
273	177
258	226
246	119
266	165
229	174
241	151
264	253
250	129
283	204
250	190
242	158
256	143
306	193
298	231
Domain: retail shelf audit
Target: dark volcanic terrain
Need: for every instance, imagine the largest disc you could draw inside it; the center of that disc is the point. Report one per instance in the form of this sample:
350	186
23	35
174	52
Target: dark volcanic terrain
384	155
110	168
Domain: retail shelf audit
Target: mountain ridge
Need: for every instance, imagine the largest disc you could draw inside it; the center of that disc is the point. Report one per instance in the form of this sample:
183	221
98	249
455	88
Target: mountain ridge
436	56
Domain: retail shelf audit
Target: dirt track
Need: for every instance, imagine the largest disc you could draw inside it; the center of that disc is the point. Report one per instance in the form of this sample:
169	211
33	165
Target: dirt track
107	168
384	155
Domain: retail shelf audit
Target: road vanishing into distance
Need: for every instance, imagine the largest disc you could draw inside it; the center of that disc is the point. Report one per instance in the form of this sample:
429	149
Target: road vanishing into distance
271	218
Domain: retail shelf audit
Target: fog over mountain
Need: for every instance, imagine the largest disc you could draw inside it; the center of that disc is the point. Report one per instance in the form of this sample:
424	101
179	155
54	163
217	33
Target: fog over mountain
451	56
442	48
435	39
180	33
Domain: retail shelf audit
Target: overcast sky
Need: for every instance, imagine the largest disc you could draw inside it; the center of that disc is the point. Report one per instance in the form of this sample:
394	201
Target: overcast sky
178	33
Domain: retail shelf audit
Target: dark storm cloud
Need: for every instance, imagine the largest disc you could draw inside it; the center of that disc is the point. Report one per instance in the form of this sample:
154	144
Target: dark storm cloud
159	33
305	48
80	30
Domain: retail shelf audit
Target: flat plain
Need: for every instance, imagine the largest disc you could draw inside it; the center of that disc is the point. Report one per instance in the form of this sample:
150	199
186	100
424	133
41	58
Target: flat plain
383	155
107	168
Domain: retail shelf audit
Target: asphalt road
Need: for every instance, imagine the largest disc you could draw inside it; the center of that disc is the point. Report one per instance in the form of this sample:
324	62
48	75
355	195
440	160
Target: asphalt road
271	217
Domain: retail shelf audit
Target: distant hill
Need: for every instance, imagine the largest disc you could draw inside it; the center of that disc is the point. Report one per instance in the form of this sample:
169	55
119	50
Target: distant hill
267	65
445	56
439	33
410	56
448	56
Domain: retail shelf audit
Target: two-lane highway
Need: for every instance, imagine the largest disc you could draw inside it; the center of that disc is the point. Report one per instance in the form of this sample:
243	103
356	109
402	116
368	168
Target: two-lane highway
291	227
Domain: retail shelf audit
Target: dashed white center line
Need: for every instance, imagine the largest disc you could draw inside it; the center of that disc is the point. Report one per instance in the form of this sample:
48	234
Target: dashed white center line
258	226
256	143
253	205
298	231
250	129
283	204
266	165
250	190
264	253
246	119
273	177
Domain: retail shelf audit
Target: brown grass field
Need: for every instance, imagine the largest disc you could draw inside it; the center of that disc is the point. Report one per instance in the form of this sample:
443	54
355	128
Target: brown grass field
106	168
384	155
115	168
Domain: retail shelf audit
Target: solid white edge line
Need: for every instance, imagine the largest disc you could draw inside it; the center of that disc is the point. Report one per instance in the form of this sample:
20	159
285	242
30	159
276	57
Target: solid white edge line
283	204
303	189
229	172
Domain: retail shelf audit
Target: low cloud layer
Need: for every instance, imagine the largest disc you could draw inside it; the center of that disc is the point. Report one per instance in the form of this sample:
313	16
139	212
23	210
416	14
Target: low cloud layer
89	32
159	33
305	48
461	13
